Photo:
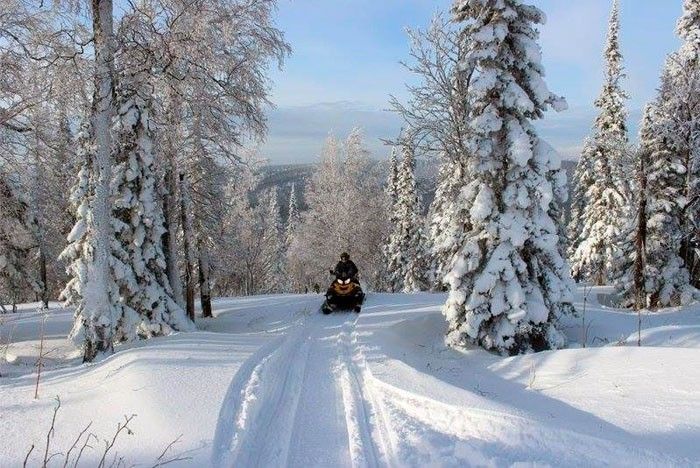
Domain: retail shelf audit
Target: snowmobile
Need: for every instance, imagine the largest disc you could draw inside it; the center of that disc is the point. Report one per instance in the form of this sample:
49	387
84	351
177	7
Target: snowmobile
343	294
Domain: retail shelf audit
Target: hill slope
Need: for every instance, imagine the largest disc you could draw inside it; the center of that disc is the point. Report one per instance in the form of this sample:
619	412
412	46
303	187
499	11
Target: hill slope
271	382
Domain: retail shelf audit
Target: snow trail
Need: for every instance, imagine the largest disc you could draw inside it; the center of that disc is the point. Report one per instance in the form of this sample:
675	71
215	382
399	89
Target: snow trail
298	401
254	397
363	449
285	387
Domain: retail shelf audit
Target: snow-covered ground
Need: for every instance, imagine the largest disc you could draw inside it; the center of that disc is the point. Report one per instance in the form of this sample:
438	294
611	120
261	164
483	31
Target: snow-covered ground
271	382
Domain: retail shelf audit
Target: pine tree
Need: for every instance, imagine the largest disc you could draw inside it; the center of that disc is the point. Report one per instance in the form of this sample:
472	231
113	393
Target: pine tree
406	258
508	281
601	193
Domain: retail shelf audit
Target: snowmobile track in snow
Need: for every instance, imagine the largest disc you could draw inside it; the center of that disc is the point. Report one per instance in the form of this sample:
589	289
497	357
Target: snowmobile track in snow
244	429
299	395
361	414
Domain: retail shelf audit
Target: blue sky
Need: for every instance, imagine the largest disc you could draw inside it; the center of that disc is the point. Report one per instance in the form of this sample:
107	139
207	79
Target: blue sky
346	54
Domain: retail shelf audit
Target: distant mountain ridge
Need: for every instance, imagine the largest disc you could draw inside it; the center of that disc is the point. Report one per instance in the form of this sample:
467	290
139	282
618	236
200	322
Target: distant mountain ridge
283	176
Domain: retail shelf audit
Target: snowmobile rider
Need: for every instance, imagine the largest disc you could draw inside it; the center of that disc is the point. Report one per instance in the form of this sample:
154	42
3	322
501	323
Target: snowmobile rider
346	268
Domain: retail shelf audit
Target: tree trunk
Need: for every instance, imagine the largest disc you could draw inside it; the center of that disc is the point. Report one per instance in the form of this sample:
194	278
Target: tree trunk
204	284
44	279
187	246
640	299
97	300
171	202
169	240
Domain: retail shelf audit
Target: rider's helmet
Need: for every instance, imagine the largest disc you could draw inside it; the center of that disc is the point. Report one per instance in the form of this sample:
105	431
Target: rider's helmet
345	256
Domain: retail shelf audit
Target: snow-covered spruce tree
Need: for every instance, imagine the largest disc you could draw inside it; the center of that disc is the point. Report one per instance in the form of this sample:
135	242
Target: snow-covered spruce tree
392	184
508	281
445	226
391	192
139	265
582	180
93	329
654	274
77	252
601	192
292	216
680	107
661	271
405	250
273	247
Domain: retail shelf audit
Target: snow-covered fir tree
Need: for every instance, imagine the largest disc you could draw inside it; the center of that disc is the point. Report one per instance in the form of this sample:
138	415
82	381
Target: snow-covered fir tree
139	261
654	275
662	270
94	329
445	226
76	254
601	191
679	103
392	180
407	266
391	192
508	281
292	216
273	245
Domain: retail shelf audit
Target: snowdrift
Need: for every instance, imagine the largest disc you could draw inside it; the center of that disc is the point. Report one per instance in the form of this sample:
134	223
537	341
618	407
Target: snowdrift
271	382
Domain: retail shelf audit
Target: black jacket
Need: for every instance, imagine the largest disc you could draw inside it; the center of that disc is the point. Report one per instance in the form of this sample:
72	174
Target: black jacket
345	269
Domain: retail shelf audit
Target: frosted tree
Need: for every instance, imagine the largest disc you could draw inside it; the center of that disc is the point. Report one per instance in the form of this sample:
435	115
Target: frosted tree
292	216
662	269
392	181
364	204
17	240
139	260
654	273
391	192
601	192
583	179
406	266
273	246
508	281
436	113
99	297
680	125
347	212
77	252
